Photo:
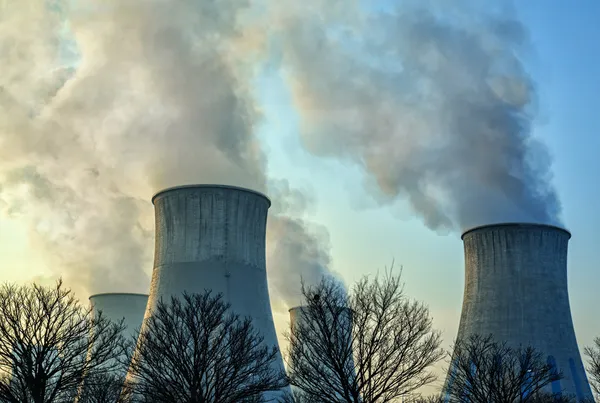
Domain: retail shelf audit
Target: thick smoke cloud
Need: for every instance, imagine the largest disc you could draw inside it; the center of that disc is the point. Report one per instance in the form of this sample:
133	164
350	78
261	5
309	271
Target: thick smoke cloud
431	98
104	103
297	251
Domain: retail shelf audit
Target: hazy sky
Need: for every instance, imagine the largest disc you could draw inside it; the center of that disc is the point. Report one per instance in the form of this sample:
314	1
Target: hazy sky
365	237
566	66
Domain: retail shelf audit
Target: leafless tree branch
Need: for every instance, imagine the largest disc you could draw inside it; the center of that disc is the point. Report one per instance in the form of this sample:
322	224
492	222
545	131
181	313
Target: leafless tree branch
106	388
593	354
372	346
194	350
49	342
486	371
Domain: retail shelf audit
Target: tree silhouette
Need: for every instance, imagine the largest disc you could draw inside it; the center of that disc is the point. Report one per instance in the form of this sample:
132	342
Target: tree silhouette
195	350
372	346
593	354
105	388
485	371
49	343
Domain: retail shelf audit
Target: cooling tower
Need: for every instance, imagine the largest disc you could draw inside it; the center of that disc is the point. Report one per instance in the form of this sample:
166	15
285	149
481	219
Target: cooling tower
212	237
117	307
516	290
126	307
301	314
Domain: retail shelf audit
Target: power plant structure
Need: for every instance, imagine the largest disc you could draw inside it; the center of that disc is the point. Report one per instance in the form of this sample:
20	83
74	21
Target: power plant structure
213	237
127	307
301	316
516	290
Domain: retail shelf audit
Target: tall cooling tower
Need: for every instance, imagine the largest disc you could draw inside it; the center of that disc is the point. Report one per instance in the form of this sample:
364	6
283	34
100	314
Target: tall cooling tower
212	237
516	290
126	307
300	315
117	307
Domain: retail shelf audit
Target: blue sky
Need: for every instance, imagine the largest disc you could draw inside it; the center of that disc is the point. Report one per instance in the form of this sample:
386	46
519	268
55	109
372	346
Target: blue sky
565	64
567	70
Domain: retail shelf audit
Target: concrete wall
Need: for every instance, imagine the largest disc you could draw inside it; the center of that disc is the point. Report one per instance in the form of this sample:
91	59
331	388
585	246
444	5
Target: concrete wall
516	289
213	238
122	306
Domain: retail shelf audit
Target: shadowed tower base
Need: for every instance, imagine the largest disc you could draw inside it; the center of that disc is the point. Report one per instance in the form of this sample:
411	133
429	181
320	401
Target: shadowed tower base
516	290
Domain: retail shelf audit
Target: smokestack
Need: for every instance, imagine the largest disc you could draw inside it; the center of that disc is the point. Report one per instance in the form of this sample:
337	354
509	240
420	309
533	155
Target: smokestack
212	237
299	315
516	290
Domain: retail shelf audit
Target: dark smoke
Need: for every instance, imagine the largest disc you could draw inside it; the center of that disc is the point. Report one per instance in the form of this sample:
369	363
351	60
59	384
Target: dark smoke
431	98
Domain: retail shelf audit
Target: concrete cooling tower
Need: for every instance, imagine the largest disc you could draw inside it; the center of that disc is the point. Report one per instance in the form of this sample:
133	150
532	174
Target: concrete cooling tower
126	307
117	307
516	290
122	306
212	237
300	315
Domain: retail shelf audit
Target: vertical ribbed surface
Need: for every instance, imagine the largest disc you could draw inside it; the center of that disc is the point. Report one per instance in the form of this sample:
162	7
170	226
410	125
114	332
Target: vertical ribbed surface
197	224
213	238
516	289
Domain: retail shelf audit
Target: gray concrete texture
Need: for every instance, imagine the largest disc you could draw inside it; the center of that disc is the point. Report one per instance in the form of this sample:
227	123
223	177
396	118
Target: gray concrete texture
212	237
127	307
516	290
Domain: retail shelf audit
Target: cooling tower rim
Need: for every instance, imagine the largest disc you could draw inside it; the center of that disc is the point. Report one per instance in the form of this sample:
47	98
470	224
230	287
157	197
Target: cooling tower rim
113	294
516	224
239	188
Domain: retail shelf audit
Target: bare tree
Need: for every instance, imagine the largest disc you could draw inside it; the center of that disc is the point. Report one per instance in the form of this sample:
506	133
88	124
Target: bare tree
485	371
426	399
49	342
593	354
105	388
544	397
538	398
373	345
194	350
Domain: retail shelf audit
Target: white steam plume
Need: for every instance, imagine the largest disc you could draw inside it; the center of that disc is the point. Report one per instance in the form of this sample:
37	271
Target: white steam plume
103	103
431	98
297	250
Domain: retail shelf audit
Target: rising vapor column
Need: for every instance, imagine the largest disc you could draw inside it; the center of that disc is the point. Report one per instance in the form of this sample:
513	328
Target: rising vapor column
516	290
212	237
